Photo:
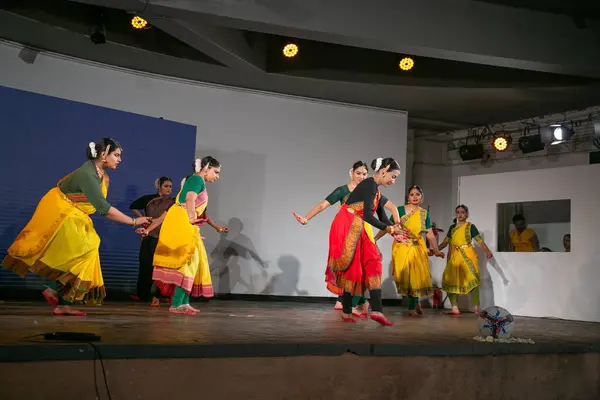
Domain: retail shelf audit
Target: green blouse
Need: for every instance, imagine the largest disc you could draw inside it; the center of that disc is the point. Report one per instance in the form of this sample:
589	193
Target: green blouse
85	180
194	184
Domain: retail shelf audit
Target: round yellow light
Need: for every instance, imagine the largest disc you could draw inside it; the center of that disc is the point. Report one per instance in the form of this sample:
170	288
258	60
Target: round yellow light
500	143
406	63
138	22
290	50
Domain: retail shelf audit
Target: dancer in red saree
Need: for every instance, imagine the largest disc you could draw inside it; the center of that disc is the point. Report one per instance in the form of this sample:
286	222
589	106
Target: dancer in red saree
353	255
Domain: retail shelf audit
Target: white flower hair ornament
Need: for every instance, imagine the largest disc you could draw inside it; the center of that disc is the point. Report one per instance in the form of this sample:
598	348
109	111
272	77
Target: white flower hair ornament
378	163
350	172
93	151
157	183
198	165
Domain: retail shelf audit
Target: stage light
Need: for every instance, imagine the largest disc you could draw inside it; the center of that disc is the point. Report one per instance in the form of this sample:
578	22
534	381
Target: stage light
290	50
531	144
560	133
471	152
138	22
406	64
501	142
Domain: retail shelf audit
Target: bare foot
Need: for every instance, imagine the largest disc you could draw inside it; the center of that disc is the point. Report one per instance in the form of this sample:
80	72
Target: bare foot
338	306
189	307
155	302
348	318
68	311
419	309
379	317
51	297
181	310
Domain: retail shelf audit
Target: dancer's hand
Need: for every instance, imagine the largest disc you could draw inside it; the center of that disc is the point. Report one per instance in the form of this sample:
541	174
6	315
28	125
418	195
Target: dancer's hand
439	254
137	221
489	255
222	229
142	231
301	219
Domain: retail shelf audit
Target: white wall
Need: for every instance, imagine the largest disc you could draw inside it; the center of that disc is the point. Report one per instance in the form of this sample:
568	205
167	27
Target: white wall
279	155
439	180
562	285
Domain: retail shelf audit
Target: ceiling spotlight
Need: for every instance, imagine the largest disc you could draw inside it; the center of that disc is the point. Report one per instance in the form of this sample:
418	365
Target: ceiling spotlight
98	35
531	143
406	64
290	50
560	133
138	22
471	152
501	142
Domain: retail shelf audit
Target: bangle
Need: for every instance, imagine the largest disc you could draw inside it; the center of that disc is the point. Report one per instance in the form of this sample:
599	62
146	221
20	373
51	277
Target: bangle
133	222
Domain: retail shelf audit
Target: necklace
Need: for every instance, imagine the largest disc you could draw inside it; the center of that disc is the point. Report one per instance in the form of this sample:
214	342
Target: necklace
100	172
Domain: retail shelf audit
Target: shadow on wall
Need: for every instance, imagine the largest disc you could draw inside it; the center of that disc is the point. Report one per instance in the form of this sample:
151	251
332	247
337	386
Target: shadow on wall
233	249
286	282
236	264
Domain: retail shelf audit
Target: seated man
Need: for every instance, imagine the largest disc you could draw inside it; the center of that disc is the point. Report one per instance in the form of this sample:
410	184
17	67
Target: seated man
523	239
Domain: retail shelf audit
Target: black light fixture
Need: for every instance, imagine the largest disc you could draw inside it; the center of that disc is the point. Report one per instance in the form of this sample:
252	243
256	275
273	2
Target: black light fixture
531	144
471	152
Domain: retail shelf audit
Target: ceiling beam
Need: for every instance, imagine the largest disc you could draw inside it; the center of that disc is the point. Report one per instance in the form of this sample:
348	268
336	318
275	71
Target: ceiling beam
226	45
458	30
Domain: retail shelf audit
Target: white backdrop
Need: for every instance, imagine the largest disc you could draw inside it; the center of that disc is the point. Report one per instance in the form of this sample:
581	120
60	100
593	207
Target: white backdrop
562	285
279	154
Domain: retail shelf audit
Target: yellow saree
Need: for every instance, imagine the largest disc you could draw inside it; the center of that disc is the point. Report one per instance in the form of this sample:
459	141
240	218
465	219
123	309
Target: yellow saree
410	261
60	243
180	258
461	274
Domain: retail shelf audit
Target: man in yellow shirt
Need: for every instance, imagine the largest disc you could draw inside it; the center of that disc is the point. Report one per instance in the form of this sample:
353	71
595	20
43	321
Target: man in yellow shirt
523	239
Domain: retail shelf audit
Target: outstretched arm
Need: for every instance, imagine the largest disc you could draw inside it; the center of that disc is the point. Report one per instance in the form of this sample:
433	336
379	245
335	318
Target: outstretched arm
155	224
212	223
313	212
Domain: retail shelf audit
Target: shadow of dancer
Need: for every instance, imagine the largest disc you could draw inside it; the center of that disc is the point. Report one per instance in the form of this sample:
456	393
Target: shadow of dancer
286	282
232	246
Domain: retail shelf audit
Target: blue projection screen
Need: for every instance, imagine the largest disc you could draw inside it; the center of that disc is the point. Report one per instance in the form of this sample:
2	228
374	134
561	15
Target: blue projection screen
44	138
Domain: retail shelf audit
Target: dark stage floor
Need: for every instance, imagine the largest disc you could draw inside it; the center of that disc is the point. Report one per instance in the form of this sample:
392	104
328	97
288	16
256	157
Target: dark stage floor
242	328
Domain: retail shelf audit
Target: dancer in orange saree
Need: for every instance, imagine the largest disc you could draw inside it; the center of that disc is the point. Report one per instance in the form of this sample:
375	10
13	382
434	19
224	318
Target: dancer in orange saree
59	242
354	257
180	259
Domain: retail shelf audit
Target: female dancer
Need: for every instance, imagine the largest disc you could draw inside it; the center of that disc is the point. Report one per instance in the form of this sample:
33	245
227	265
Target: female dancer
60	243
461	275
354	257
180	258
153	205
358	173
410	261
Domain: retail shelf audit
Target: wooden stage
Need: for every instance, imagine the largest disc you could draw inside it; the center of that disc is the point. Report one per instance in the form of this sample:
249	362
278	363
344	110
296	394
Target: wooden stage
264	328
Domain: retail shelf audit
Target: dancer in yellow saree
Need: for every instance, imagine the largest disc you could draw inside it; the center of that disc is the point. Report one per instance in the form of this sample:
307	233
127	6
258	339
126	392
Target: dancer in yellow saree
461	275
180	259
60	243
410	259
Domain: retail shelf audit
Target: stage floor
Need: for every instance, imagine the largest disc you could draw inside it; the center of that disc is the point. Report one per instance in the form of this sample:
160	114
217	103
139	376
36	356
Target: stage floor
243	328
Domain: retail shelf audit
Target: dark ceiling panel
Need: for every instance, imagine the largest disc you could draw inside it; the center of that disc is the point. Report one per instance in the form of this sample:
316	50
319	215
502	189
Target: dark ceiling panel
83	18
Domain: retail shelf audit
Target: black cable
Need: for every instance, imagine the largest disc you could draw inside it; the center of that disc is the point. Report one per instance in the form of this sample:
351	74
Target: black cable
96	354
